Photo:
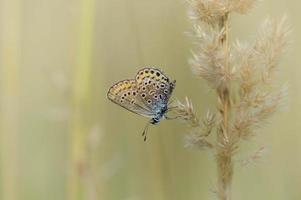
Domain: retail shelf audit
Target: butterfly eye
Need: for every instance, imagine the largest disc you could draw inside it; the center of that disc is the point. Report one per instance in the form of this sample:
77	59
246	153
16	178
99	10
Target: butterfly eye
156	97
158	74
152	71
134	93
143	88
165	91
129	93
162	85
149	101
143	95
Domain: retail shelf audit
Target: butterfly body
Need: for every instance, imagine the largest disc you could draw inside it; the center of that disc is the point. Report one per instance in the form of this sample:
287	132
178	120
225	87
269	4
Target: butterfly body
147	95
155	120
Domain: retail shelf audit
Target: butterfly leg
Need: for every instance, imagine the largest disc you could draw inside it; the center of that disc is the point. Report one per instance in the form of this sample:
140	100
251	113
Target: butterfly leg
170	118
170	109
145	131
170	102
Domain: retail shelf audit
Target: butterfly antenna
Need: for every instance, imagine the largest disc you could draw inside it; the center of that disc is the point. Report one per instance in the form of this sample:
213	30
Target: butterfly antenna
144	134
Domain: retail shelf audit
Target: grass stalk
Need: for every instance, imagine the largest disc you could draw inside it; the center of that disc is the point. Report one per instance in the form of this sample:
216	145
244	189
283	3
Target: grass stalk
241	75
224	160
10	91
80	102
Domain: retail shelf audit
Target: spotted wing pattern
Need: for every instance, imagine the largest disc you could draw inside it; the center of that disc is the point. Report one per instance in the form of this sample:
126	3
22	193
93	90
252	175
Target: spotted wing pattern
125	94
145	95
155	85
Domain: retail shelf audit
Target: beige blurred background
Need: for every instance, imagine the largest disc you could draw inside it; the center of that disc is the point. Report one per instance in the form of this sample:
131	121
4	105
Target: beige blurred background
62	139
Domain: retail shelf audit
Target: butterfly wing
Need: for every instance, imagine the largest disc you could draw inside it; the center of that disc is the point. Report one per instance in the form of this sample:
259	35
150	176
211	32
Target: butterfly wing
156	86
125	93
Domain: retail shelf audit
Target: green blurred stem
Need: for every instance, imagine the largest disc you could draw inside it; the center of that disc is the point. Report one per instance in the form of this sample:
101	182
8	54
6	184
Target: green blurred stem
81	101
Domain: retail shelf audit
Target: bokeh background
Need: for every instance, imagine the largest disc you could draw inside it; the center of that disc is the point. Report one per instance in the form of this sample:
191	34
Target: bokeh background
62	139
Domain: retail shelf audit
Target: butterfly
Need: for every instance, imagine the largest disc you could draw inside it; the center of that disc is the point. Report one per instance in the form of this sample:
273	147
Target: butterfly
147	94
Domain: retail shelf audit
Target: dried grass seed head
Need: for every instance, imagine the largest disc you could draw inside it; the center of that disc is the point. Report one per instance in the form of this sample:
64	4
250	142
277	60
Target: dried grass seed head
270	44
207	11
209	57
